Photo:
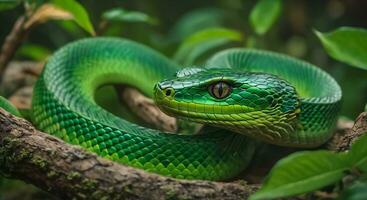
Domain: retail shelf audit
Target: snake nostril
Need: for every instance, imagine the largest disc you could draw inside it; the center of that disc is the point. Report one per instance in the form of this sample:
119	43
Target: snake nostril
168	92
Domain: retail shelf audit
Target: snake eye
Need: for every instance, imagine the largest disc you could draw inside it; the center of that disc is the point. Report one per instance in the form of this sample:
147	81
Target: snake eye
220	90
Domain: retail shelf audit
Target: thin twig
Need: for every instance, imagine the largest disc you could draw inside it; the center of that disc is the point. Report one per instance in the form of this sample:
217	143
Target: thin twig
12	43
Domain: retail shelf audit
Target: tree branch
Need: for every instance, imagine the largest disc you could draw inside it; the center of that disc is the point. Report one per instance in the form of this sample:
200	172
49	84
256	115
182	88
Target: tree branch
344	138
146	109
11	43
70	172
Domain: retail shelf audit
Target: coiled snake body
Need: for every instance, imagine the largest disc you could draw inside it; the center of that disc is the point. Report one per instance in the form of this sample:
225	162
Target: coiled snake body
254	94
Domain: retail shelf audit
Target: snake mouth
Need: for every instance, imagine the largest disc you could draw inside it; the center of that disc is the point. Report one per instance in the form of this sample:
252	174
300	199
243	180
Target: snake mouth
202	113
238	121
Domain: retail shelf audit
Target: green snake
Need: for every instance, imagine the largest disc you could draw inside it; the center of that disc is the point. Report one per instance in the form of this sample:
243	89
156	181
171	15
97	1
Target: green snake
248	94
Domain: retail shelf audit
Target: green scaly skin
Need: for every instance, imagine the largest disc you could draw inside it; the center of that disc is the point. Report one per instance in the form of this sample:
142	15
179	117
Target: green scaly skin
297	107
6	105
275	98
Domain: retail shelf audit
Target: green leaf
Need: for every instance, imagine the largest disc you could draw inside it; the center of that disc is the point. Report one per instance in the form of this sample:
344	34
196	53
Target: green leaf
197	20
71	27
35	3
122	15
34	52
346	44
357	156
79	13
200	42
302	172
264	15
357	191
8	4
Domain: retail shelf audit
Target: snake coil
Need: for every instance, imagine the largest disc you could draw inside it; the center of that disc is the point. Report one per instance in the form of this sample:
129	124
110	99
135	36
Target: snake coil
268	96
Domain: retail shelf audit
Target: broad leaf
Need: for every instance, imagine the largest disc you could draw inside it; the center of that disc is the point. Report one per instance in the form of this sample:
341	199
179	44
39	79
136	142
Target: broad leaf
264	14
8	4
347	45
122	15
357	191
302	172
71	27
357	156
200	42
80	15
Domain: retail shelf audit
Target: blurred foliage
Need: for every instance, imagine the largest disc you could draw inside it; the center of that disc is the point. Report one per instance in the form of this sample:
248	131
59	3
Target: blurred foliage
347	44
34	52
121	15
202	41
190	31
196	20
79	14
166	25
308	171
8	4
357	191
15	190
264	14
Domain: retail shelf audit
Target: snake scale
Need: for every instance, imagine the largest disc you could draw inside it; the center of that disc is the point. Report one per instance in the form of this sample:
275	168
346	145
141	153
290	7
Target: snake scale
255	94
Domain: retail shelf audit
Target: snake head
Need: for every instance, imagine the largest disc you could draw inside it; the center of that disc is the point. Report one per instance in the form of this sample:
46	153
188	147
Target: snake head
244	102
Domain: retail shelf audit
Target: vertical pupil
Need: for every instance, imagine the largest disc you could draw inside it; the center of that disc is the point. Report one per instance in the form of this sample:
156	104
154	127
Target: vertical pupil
220	89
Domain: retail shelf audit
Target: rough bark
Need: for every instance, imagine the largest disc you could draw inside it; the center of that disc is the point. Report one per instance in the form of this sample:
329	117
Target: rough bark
68	171
146	109
345	137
